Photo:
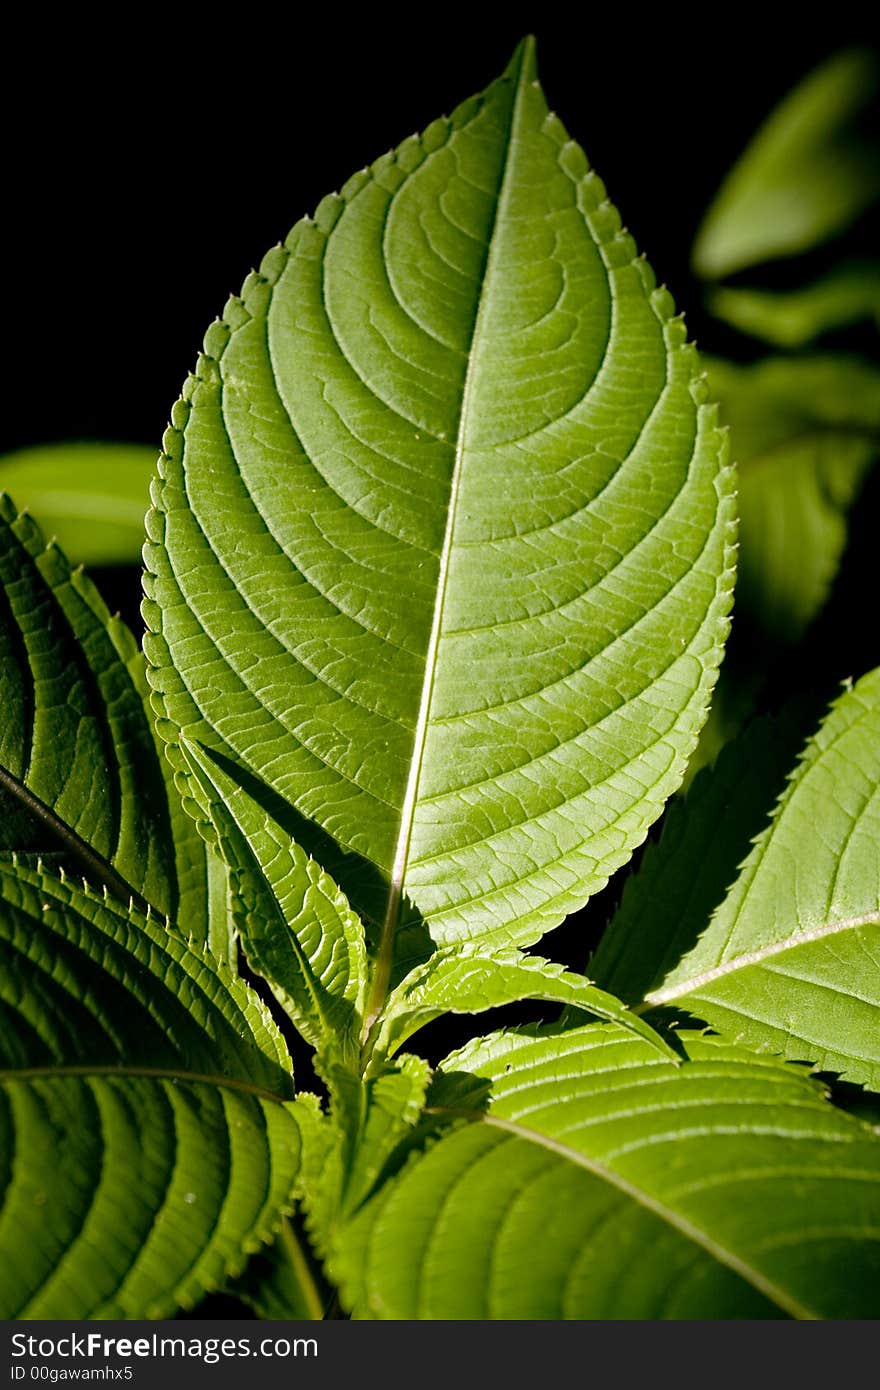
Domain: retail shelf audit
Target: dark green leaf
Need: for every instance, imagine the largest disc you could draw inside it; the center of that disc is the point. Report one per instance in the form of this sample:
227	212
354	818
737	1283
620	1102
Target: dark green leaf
586	1177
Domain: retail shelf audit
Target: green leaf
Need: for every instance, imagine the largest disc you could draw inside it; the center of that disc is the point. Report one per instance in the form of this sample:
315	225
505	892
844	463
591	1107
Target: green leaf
89	983
349	1151
807	174
144	1145
805	433
156	1192
462	982
373	1117
794	510
780	399
685	873
295	924
81	775
300	934
790	960
848	294
586	1177
90	497
321	1169
441	542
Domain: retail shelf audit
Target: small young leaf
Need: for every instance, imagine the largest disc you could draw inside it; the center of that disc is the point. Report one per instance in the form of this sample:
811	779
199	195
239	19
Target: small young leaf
460	981
790	961
90	497
373	1117
295	924
586	1177
351	1150
805	176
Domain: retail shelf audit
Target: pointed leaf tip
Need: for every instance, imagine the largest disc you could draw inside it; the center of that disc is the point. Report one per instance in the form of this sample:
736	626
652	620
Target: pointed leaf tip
523	66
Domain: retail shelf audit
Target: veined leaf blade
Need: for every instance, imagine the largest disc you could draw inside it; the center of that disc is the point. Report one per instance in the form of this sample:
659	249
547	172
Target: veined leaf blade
295	925
88	983
81	772
588	1178
129	1196
461	981
145	1145
790	960
441	543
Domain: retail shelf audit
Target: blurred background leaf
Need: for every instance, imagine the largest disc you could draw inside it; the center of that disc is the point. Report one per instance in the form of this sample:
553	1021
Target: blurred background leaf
847	294
810	170
806	432
794	215
92	497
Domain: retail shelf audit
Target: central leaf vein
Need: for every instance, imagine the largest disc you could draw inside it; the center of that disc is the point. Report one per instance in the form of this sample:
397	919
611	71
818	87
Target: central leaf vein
382	972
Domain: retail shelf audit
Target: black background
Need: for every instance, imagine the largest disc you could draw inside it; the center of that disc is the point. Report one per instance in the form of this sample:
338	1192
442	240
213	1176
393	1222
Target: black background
150	163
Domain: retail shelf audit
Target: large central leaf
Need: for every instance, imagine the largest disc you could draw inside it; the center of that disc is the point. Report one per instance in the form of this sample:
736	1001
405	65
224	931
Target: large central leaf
440	548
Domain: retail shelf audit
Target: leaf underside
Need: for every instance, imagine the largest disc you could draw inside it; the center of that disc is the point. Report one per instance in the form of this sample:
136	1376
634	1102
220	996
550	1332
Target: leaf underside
440	551
790	960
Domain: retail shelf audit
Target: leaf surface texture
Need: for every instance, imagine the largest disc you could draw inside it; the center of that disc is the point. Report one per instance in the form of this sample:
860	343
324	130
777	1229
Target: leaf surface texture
790	960
441	543
589	1178
82	776
145	1146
